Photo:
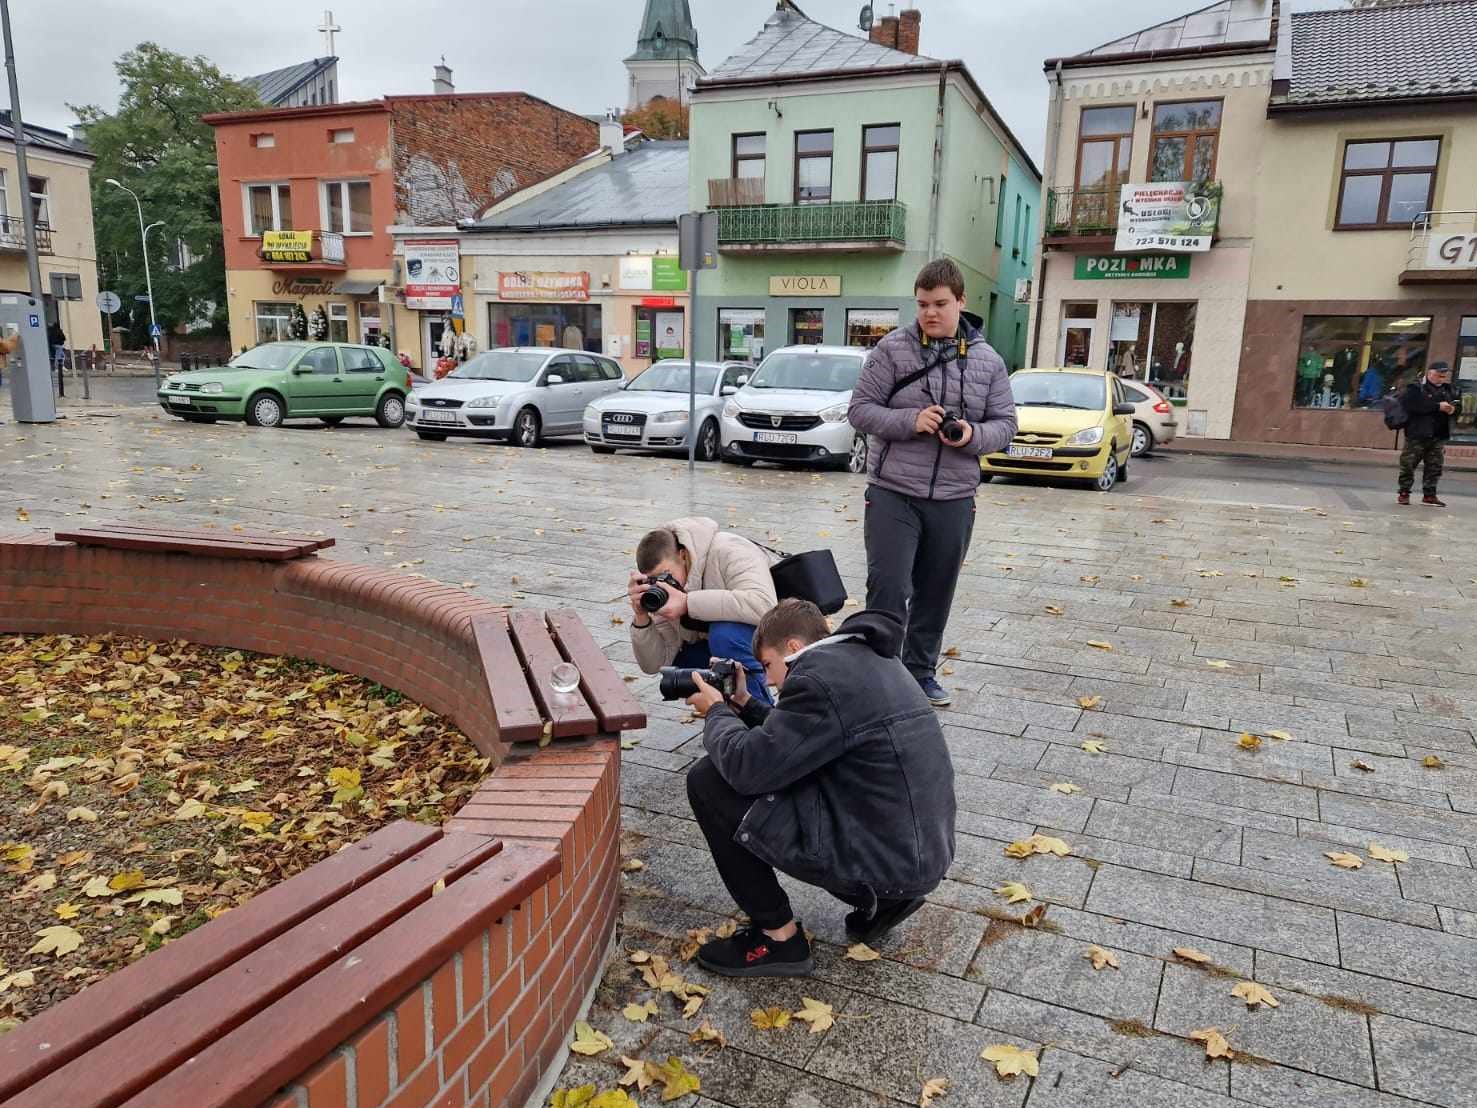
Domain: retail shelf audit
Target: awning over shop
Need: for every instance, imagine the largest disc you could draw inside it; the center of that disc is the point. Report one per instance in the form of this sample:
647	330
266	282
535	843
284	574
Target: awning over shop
357	288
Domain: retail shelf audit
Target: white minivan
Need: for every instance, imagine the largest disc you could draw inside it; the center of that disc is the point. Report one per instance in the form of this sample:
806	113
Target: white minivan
794	410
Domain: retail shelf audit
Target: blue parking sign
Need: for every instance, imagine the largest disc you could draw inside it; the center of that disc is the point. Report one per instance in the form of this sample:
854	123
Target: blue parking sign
34	320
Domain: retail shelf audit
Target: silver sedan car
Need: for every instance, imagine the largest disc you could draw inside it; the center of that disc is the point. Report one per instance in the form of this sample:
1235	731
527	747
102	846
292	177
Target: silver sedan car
650	413
517	394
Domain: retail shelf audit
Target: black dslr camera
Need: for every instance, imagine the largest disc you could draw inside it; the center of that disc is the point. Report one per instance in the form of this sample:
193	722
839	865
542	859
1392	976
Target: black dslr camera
677	683
655	598
952	428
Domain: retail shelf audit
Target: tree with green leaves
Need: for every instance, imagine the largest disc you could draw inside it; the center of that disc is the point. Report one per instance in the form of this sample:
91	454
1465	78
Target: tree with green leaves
156	144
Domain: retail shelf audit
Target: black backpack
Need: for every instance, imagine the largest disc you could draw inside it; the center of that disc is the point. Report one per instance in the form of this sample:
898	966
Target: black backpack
1393	405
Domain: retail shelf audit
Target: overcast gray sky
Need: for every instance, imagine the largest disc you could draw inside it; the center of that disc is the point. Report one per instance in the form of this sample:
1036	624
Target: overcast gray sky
567	51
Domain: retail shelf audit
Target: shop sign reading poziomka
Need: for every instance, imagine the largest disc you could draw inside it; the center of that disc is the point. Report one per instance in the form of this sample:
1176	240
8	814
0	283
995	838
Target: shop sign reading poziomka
433	274
1139	267
287	246
1173	216
531	285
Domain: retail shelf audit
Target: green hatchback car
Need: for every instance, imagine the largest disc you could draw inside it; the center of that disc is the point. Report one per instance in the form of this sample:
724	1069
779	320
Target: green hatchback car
278	381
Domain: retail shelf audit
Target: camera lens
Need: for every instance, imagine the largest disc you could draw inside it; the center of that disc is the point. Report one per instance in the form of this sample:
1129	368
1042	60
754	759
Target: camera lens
677	683
654	599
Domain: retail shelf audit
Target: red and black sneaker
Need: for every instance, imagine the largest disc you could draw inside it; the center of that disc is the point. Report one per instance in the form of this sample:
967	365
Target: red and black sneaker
751	953
1431	500
1403	498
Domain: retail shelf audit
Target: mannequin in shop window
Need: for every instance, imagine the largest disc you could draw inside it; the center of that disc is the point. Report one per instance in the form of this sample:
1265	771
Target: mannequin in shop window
1128	365
448	340
1310	368
466	346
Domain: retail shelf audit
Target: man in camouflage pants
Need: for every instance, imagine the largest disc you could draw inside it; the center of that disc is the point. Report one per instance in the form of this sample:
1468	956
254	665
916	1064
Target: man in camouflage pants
1429	403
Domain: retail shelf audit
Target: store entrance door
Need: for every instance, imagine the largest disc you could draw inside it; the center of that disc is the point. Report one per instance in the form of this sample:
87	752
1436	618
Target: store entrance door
432	328
1076	346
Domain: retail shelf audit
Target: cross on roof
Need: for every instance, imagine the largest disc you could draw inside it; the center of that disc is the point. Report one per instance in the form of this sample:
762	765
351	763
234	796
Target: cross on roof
329	29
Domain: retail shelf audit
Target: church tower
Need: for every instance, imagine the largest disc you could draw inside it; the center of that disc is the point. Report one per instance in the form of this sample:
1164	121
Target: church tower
665	62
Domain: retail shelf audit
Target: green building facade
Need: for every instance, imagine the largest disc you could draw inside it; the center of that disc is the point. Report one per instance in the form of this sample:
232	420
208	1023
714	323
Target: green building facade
836	178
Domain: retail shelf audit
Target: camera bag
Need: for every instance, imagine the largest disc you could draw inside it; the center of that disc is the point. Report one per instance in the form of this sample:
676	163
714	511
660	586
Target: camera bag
809	576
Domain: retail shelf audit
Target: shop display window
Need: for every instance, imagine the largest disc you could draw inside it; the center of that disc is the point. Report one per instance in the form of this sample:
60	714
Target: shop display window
807	326
741	335
572	326
1153	341
1464	378
1352	361
274	321
866	327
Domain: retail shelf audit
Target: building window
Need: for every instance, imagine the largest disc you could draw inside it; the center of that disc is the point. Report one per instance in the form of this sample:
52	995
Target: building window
1104	147
813	166
346	207
660	333
40	205
866	327
1015	234
371	323
1152	342
1387	183
998	198
5	195
264	140
572	326
1466	379
338	323
741	335
1186	139
807	326
1351	361
879	161
341	134
268	208
273	322
748	157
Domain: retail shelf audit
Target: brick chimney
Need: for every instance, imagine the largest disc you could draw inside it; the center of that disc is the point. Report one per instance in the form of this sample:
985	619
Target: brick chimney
884	31
909	25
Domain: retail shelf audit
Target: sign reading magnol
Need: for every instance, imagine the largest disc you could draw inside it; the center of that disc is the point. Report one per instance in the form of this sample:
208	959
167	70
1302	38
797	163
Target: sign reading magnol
527	285
1172	216
433	274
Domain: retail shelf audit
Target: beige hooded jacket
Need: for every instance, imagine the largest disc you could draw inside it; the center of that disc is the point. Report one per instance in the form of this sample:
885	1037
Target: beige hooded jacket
729	583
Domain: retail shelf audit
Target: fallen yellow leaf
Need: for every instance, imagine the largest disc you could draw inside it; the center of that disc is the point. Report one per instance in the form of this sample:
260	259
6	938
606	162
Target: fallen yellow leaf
1011	1060
1216	1045
632	865
161	925
588	1041
1343	859
1093	746
1089	702
190	809
1382	854
707	1033
676	1080
1216	663
933	1088
1248	741
1280	736
769	1019
1097	644
861	952
1014	892
1360	764
86	815
636	1074
58	940
818	1014
1101	958
639	1013
1179	603
129	879
1066	788
67	910
1430	761
1053	610
1254	994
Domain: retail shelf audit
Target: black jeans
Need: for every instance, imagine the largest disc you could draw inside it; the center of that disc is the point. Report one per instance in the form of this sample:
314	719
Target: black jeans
915	550
751	882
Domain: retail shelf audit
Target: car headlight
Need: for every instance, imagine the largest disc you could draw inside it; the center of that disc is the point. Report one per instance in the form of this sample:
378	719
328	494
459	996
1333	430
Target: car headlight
485	402
670	417
591	415
213	387
412	401
834	415
171	383
731	410
1089	437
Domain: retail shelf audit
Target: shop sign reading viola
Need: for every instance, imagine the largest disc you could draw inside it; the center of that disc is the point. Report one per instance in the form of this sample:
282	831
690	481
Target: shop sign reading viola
433	274
528	285
1146	267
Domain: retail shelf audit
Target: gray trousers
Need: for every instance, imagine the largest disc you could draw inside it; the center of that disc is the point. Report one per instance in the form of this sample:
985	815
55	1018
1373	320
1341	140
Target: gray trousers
915	550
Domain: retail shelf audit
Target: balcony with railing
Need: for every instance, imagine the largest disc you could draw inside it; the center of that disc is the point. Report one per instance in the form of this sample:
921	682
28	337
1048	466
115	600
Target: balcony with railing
1442	249
1081	218
13	236
746	225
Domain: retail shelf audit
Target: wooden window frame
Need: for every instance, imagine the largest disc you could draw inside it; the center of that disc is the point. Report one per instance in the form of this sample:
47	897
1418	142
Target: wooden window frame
1387	173
735	157
1116	137
867	151
1191	137
799	157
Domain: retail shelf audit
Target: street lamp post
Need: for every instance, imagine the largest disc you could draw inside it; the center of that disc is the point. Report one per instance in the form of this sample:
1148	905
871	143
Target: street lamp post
148	280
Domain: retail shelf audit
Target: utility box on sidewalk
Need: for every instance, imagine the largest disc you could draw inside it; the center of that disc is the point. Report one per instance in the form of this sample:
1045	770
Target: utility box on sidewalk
30	378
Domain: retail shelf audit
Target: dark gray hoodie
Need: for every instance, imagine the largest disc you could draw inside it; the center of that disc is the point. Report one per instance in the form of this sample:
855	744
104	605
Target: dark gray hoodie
853	786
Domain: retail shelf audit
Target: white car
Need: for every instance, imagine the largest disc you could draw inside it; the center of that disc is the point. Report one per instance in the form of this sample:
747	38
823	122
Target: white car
520	394
794	410
1153	416
650	412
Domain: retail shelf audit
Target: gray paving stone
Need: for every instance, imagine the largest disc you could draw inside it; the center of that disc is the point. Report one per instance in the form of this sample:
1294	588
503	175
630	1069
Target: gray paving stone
1123	727
1302	1033
1246	792
1228	758
1001	749
1434	959
1070	1080
1393	817
1427	1063
1326	892
890	1049
895	981
988	704
1305	858
1434	883
1225	914
1188	834
1114	770
1280	1087
1116	1041
1052	968
1204	809
1043	779
1369	785
990	827
1392	998
1034	803
1409	772
1154	942
1089	847
1307	754
1359	839
983	863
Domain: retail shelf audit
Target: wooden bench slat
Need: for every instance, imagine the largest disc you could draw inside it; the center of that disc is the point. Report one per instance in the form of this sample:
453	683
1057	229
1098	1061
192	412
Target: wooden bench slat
244	537
210	548
518	718
570	713
616	708
140	1054
279	1043
124	997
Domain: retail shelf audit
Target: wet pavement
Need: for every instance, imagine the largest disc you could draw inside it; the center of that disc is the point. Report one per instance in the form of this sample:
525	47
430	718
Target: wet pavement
1238	597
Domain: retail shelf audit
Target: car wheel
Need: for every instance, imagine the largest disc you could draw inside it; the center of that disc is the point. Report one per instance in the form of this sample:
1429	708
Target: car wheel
198	419
986	478
1109	477
332	420
603	449
708	446
857	461
265	410
430	436
526	428
1143	440
390	412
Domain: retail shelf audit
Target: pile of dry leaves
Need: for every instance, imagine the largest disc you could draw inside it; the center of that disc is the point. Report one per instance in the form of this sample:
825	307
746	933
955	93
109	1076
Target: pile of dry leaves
146	788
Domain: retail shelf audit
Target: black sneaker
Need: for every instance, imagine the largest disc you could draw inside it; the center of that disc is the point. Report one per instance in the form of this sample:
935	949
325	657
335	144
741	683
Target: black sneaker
749	952
937	695
860	928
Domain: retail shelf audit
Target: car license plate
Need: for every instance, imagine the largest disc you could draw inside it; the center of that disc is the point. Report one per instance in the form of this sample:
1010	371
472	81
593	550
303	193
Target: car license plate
1028	451
779	437
623	430
178	403
437	417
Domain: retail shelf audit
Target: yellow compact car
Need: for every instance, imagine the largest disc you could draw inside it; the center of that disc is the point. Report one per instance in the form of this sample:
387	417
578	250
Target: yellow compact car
1075	424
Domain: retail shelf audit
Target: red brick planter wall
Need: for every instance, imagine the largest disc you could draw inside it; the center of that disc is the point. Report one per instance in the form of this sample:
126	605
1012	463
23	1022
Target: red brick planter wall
481	1027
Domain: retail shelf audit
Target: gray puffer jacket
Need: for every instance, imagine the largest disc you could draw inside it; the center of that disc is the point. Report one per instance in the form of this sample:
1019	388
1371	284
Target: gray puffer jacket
976	387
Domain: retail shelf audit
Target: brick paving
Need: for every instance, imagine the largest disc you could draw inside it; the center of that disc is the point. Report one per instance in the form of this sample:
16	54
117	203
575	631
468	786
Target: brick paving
1237	598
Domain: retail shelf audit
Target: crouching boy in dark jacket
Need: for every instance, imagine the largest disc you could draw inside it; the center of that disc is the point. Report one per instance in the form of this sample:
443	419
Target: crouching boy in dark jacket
845	783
